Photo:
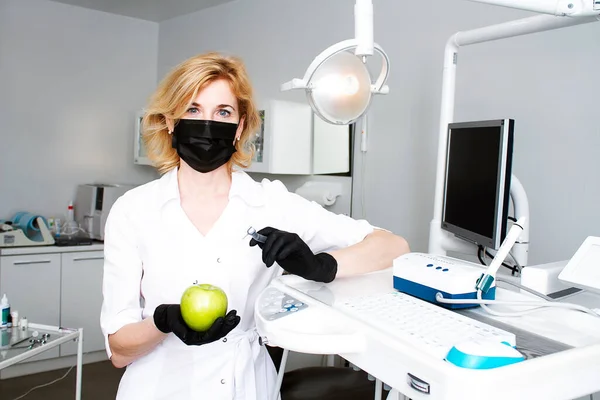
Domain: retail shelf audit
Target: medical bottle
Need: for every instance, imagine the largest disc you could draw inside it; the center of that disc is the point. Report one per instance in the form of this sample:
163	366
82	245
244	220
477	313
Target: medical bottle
5	310
70	213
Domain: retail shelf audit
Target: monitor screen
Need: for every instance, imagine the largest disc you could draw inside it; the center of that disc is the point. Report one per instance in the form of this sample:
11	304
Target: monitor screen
477	184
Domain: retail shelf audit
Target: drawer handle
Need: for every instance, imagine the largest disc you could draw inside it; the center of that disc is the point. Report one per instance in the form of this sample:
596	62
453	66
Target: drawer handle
32	262
88	258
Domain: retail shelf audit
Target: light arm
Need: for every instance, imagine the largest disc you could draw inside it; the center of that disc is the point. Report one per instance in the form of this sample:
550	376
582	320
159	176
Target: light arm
520	249
363	28
573	8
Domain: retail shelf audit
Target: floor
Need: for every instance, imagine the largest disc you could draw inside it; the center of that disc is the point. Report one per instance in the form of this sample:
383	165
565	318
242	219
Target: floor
101	379
100	382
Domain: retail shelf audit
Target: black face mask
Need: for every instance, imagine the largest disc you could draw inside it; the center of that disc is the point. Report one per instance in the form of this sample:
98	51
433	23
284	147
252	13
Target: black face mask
204	145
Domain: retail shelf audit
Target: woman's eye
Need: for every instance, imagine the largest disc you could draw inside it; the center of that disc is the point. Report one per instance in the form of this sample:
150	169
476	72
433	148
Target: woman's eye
224	113
192	110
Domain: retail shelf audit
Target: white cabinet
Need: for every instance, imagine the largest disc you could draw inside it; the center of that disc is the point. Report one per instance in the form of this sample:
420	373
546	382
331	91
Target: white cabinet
32	285
284	139
58	286
81	298
293	141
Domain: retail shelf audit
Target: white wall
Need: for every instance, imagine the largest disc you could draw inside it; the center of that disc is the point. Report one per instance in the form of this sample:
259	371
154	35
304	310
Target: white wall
545	82
71	80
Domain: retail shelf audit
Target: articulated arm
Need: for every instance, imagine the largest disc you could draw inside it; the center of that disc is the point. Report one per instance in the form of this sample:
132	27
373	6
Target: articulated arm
571	8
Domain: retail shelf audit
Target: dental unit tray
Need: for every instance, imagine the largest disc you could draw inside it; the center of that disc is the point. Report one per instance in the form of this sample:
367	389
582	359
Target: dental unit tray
322	319
424	275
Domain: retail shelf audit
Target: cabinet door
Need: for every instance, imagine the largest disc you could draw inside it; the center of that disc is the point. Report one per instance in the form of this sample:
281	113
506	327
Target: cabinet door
81	298
32	285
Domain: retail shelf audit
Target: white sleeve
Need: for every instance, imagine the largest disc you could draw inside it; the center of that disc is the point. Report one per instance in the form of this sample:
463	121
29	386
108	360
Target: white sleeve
321	229
122	273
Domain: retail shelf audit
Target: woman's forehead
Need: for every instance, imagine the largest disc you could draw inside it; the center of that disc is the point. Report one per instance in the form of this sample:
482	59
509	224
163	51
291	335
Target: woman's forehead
216	93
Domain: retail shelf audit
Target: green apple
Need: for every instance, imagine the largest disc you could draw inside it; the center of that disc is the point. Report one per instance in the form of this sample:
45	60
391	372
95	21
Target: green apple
201	305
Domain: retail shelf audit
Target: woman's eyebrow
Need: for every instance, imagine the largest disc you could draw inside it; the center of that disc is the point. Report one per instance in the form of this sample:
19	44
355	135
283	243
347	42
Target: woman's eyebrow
194	104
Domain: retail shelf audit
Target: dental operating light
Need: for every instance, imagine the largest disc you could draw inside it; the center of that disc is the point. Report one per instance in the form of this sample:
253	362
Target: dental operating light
337	83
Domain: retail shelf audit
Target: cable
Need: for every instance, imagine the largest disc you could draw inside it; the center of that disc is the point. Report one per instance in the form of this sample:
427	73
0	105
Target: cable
512	268
44	385
481	249
515	262
525	288
537	304
512	314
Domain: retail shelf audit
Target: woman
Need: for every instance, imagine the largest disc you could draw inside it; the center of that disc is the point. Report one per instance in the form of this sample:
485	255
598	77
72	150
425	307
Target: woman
190	226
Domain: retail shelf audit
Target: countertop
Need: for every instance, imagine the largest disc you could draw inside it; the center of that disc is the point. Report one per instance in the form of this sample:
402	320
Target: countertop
14	251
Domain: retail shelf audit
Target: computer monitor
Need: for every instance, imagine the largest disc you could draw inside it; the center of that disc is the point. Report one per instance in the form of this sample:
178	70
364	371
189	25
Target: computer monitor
477	181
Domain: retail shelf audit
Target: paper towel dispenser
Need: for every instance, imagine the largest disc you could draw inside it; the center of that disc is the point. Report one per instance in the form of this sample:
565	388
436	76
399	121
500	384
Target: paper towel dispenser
323	193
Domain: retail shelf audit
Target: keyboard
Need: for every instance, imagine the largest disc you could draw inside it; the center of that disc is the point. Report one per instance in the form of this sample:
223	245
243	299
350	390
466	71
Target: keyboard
430	328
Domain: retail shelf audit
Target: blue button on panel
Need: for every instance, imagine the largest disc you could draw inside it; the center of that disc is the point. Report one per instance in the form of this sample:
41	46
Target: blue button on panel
429	265
288	306
438	267
445	270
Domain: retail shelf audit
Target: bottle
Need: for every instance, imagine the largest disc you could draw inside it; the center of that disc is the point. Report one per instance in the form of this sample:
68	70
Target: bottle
58	226
5	312
70	213
71	225
14	317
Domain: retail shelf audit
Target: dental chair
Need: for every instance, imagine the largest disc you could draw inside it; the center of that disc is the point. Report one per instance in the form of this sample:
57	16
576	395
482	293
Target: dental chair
323	383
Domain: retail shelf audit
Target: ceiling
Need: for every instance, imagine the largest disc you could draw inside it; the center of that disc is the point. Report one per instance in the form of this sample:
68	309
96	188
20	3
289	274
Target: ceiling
151	10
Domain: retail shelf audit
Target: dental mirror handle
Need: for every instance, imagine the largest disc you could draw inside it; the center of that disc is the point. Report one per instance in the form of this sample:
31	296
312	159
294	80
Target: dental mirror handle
258	237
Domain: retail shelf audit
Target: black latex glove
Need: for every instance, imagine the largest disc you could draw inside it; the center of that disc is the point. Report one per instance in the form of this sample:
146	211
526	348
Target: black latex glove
167	318
293	255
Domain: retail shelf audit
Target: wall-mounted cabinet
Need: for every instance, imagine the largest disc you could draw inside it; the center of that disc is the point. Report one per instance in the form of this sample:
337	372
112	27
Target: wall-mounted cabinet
283	141
293	141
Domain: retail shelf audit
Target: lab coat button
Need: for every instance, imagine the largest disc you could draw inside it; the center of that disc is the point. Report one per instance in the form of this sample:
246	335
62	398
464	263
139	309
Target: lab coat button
219	260
224	340
222	381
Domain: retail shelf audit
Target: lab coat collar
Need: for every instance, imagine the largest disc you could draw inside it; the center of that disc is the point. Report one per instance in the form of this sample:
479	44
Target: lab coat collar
242	186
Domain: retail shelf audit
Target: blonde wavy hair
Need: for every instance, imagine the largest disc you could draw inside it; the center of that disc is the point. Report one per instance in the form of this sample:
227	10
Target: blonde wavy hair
178	90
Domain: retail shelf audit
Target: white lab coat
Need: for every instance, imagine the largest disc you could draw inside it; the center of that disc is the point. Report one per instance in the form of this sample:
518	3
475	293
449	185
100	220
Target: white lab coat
153	253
